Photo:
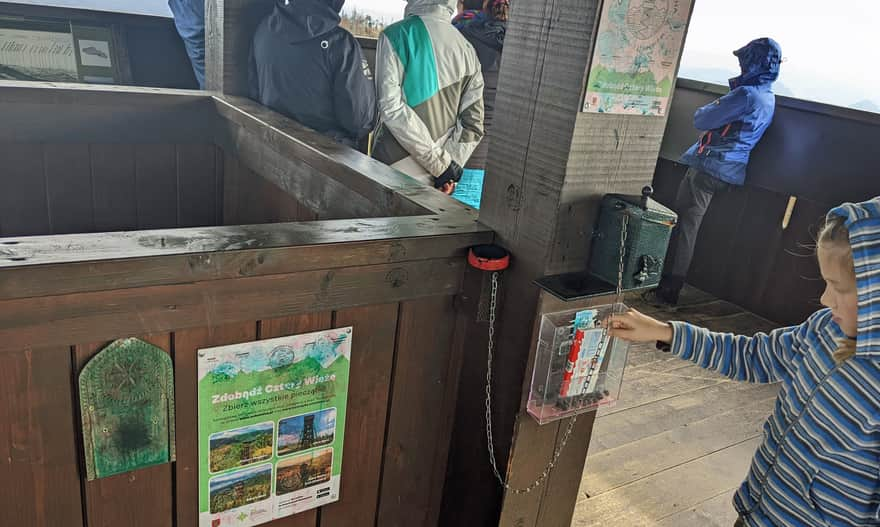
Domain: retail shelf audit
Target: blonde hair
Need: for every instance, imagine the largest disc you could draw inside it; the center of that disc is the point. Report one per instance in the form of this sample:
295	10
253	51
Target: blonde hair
835	234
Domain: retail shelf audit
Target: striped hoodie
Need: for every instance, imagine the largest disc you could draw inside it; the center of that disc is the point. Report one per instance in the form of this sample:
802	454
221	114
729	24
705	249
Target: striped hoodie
819	462
429	90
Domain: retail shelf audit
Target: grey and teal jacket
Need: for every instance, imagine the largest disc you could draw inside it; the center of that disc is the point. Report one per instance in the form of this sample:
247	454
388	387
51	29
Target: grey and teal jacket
819	461
429	90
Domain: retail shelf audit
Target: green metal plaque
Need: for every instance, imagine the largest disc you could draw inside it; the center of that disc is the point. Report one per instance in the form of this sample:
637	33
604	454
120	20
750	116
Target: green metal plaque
127	403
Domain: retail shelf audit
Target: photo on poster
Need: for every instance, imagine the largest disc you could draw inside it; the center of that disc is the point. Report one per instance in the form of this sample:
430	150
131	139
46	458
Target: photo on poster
241	446
303	432
303	471
240	488
95	53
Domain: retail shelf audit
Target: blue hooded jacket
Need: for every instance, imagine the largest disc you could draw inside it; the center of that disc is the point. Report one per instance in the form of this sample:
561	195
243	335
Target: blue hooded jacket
819	461
733	124
189	18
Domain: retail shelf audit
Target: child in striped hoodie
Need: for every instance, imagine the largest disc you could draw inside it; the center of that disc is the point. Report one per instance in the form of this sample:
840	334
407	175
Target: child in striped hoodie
819	462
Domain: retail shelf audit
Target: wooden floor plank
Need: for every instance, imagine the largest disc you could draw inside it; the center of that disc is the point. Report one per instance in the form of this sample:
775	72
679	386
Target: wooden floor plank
649	387
714	512
625	427
631	462
644	502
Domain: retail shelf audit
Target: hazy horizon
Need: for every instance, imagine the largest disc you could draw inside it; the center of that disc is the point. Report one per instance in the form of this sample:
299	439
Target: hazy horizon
822	45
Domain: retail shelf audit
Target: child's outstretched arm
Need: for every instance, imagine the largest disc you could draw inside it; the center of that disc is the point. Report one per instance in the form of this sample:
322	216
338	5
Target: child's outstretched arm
761	358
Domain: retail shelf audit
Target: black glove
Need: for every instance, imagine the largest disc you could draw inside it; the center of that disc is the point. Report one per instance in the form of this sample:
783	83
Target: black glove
451	174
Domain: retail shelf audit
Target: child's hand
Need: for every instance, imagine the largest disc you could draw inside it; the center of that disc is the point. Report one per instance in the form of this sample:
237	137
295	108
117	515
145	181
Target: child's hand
636	327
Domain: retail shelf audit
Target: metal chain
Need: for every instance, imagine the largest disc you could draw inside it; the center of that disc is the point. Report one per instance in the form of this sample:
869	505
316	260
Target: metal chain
496	277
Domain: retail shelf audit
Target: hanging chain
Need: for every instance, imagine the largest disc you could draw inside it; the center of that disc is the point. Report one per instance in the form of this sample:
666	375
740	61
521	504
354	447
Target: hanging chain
496	277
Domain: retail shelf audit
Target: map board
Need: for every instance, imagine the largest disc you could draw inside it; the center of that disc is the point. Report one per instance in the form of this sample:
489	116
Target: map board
637	48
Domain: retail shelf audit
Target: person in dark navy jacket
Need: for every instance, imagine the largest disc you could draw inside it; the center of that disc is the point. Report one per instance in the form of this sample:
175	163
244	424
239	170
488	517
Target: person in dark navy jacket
731	126
305	66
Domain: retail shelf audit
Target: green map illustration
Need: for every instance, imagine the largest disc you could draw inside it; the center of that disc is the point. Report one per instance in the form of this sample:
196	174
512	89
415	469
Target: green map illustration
637	48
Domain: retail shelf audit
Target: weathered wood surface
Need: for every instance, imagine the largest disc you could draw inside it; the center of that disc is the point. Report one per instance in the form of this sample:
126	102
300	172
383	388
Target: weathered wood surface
208	254
249	198
39	452
63	113
714	512
25	211
372	363
670	457
417	430
229	30
775	273
387	188
656	497
105	315
71	187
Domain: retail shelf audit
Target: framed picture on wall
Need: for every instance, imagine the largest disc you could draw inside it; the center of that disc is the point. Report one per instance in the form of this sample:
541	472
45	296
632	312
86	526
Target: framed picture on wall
61	51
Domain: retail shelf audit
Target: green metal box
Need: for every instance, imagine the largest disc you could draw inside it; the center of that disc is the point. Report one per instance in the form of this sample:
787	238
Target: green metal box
648	228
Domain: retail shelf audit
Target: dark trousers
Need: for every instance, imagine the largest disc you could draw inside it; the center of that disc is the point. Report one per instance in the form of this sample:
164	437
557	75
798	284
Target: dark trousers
693	199
739	522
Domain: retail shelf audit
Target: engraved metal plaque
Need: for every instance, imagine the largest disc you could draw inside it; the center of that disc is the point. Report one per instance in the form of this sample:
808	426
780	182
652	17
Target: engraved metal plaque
127	404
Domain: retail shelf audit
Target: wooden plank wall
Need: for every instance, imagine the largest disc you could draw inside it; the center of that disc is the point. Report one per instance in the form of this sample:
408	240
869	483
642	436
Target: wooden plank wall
249	198
401	400
775	273
62	188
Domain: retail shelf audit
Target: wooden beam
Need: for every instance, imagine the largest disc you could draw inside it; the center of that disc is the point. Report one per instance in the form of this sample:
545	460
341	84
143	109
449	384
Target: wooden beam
543	183
229	31
388	189
56	265
88	317
73	113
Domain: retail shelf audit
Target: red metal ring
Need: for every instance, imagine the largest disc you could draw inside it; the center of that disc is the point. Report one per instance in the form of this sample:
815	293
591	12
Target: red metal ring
488	264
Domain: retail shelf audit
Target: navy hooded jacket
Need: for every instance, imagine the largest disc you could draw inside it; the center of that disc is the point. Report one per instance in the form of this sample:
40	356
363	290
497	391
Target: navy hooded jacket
735	123
305	66
189	19
486	35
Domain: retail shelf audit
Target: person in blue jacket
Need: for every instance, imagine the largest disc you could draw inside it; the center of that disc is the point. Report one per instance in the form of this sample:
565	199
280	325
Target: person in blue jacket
732	126
305	66
189	18
818	464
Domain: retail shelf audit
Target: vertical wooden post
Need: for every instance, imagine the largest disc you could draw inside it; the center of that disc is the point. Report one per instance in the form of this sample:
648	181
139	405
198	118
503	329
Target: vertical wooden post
229	31
546	174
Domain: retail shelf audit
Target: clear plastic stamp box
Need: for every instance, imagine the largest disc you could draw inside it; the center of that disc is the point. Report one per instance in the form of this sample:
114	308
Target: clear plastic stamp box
578	366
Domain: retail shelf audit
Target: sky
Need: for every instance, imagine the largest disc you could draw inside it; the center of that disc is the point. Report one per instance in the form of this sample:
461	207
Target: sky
827	45
823	43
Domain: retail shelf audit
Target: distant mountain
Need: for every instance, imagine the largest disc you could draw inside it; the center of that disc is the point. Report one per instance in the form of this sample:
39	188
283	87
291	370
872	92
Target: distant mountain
866	105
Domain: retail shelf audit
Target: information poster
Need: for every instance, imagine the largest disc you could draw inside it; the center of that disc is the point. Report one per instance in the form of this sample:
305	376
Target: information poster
36	55
637	47
271	426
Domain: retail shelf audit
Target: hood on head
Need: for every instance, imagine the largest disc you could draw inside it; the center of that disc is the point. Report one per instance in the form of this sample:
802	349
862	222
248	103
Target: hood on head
863	222
443	8
301	20
758	63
